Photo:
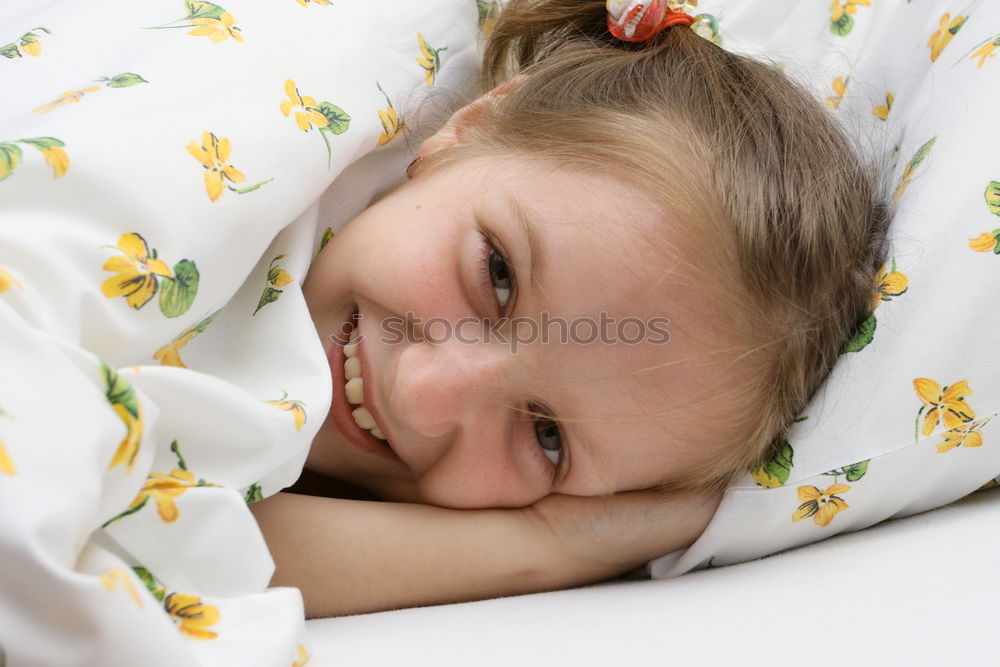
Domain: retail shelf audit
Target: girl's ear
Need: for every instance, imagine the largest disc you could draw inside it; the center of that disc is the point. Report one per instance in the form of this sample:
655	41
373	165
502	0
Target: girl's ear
452	132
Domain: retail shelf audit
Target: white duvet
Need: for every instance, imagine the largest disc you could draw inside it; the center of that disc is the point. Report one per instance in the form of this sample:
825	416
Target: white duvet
160	166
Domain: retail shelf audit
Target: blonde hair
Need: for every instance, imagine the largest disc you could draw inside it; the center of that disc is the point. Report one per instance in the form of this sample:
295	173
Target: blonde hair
793	220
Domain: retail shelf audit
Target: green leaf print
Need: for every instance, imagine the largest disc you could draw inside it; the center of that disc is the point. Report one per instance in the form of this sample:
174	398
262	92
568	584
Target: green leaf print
123	80
147	578
178	293
339	119
119	391
327	235
911	168
993	197
10	157
203	10
270	295
856	471
254	494
921	154
10	51
775	472
128	512
864	335
251	188
42	143
842	27
780	466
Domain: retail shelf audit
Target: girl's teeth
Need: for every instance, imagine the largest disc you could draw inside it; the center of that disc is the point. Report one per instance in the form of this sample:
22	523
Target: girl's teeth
355	385
351	349
355	390
364	418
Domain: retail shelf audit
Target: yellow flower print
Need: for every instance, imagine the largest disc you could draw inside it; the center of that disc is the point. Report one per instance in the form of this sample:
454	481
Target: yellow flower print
297	408
985	242
163	489
116	576
218	30
775	471
138	272
305	3
10	158
127	406
327	117
839	86
170	354
489	10
301	656
277	277
911	169
392	125
310	116
206	20
430	60
947	403
765	478
191	616
50	148
69	97
967	435
123	80
841	19
7	281
56	158
947	28
822	506
6	465
841	7
984	52
128	449
213	153
28	42
882	110
889	284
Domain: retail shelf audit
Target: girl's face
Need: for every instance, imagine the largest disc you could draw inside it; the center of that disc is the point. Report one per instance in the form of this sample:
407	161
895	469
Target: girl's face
431	270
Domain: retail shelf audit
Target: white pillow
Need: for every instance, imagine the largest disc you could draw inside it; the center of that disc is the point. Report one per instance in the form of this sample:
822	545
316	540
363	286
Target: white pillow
921	94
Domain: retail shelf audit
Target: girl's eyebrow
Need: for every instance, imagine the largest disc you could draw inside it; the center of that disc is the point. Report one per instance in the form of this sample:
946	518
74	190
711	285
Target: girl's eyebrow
537	260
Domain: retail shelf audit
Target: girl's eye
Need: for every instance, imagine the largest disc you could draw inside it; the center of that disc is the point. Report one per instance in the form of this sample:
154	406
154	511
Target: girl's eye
496	275
549	438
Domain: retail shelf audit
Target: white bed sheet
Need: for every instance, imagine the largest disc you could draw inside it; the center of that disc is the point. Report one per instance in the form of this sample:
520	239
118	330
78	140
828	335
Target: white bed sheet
915	591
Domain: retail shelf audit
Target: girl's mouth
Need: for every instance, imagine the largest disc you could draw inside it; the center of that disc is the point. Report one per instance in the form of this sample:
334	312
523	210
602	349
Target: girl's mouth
348	411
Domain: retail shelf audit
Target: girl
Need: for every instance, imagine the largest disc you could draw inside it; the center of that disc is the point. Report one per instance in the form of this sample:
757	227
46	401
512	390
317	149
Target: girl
640	172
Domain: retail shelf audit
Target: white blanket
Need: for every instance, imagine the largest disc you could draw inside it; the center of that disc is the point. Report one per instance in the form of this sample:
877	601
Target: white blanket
160	166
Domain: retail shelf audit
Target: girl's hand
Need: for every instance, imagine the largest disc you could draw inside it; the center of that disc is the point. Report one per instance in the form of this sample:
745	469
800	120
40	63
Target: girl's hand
351	556
601	537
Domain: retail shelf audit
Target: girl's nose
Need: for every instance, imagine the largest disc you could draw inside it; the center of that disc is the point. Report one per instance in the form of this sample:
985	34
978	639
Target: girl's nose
441	388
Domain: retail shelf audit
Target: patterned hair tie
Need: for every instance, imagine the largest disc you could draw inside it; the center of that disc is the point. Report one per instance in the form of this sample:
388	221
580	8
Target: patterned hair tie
636	21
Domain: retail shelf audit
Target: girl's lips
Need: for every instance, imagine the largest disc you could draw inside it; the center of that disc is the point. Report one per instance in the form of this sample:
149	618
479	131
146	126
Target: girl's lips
340	409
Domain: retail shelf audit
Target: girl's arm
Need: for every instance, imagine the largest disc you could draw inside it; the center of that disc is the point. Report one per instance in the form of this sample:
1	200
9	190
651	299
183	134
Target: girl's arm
350	556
